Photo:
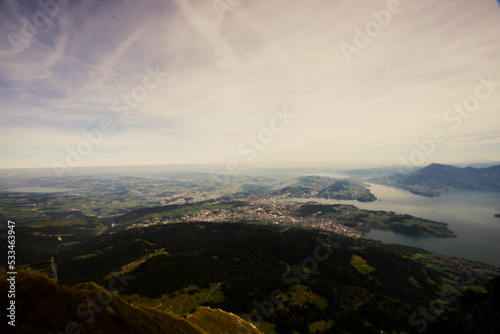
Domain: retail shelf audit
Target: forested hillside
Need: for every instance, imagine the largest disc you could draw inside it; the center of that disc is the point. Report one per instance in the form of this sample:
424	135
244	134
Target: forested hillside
315	280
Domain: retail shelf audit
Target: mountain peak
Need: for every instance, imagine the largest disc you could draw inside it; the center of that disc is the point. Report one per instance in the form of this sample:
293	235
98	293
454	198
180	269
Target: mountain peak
435	168
436	165
437	178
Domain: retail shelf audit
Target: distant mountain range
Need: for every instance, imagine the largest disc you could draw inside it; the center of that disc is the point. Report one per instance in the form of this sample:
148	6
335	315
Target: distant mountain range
436	179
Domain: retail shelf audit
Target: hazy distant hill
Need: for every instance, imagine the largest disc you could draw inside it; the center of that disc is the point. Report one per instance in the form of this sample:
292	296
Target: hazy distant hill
326	187
436	179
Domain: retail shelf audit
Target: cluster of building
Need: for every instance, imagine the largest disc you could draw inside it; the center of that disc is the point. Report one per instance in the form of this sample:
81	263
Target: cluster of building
262	210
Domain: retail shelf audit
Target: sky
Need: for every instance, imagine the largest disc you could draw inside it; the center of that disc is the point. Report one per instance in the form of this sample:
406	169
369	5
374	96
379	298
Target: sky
107	83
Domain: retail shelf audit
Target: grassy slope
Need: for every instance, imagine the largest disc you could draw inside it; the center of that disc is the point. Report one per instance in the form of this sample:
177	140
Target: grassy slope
43	307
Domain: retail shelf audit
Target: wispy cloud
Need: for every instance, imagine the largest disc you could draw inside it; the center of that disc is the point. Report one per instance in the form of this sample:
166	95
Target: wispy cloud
226	77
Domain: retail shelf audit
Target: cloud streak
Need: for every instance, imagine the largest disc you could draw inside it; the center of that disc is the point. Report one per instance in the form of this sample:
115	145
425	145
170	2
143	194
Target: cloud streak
226	77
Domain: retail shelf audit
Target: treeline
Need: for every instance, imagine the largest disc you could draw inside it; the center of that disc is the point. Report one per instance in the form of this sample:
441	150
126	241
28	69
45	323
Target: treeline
42	242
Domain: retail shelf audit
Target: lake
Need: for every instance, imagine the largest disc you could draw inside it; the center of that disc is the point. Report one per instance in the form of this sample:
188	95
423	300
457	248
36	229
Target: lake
470	214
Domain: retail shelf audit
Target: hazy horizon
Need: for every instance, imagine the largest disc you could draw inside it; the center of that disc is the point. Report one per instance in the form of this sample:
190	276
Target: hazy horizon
223	166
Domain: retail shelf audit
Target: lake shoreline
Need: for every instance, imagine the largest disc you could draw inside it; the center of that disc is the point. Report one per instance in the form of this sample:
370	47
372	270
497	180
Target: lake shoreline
469	214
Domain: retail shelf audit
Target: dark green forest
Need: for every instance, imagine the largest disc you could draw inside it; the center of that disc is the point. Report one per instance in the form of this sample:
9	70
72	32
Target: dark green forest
251	261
